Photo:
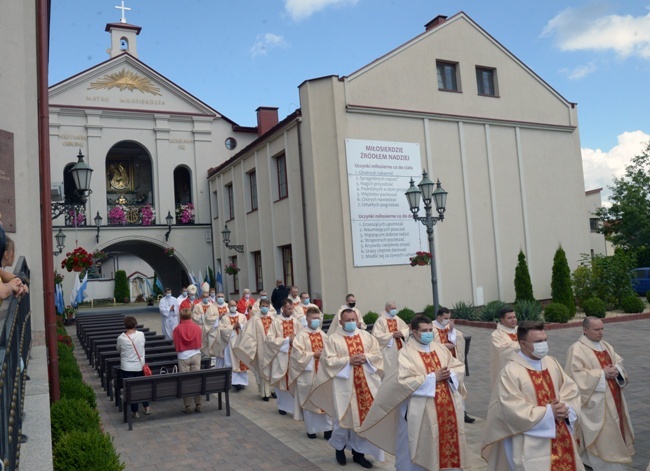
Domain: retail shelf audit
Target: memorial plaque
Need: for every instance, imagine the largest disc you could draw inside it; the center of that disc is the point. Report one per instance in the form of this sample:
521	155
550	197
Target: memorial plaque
383	229
7	182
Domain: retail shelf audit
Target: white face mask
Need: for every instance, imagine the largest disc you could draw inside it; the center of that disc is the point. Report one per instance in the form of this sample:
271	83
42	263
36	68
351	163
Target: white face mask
233	309
540	349
445	322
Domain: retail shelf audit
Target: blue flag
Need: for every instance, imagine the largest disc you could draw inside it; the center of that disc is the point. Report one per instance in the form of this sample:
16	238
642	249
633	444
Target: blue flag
149	287
81	294
219	280
58	299
159	285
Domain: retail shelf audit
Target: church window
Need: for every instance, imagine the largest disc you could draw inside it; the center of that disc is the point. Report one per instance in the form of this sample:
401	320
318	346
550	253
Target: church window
594	224
281	170
230	201
257	263
486	81
252	184
448	76
287	265
231	143
124	44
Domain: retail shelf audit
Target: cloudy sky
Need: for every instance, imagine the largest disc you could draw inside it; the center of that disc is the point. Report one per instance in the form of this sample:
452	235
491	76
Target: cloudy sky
237	56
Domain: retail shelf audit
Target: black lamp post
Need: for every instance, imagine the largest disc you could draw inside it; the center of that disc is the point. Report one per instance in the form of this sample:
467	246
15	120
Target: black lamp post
60	242
169	218
226	241
425	190
81	175
98	223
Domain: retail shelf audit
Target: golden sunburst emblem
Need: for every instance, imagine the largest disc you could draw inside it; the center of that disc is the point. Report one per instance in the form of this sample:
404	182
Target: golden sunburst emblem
125	80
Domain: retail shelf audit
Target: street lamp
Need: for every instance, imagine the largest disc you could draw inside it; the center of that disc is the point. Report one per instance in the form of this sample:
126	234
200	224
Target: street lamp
60	242
98	222
169	218
425	190
81	175
226	241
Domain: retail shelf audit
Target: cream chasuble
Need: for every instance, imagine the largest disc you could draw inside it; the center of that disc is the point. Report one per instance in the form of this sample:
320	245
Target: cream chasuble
304	366
504	342
383	331
251	345
207	317
256	309
336	327
433	435
278	349
518	422
227	338
605	429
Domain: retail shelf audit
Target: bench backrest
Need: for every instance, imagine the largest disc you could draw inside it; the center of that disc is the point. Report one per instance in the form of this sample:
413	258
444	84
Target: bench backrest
177	385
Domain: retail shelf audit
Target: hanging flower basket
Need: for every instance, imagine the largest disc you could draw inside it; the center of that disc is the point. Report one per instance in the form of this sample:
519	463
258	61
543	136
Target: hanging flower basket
77	260
148	215
421	259
232	269
169	251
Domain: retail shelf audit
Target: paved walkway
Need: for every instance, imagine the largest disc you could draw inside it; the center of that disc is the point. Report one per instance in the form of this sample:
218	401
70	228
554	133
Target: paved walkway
256	438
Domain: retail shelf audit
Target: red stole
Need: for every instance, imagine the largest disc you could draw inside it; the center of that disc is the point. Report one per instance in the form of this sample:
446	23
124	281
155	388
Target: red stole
287	330
562	455
392	327
266	323
444	338
242	366
316	340
513	337
222	310
448	447
364	396
605	360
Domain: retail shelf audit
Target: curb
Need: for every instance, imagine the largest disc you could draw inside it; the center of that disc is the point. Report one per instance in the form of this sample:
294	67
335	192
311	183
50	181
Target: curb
554	325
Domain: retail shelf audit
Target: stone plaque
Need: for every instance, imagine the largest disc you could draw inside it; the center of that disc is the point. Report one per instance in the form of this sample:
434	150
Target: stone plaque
7	183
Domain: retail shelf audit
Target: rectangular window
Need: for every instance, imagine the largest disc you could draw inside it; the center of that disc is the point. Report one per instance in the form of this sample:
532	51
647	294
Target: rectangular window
447	76
252	183
215	205
235	277
230	201
594	224
257	263
281	165
287	265
485	81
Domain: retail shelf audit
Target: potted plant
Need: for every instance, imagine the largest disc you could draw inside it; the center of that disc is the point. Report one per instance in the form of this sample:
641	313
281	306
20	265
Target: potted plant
147	215
77	260
99	255
69	315
185	214
76	216
149	300
58	277
421	259
117	215
232	269
169	251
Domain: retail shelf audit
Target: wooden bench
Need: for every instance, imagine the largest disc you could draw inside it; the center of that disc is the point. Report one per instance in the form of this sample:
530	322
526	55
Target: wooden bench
107	346
116	330
114	363
101	363
156	368
176	386
111	339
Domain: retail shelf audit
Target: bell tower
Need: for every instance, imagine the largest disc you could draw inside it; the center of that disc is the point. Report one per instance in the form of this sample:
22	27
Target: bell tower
123	35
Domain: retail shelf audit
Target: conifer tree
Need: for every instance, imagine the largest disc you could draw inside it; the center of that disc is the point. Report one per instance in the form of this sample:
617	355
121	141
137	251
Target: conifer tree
523	285
561	290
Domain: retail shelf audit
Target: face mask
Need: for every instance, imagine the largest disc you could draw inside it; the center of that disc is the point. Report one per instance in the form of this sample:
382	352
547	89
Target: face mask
314	324
168	295
212	296
233	309
305	301
426	338
352	304
263	297
247	296
350	326
220	300
393	312
192	297
540	350
206	300
445	322
185	293
264	310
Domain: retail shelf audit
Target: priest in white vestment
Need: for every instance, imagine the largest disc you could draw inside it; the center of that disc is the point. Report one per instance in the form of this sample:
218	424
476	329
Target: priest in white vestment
230	327
391	333
417	414
206	315
277	351
605	430
251	347
168	307
256	305
533	411
350	303
504	342
300	311
347	381
303	365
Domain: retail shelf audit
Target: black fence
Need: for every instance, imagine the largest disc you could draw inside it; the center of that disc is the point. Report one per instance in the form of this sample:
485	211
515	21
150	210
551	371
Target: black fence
15	344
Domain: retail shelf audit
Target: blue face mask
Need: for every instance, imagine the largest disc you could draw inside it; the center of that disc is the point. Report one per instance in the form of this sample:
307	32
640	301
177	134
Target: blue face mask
314	324
426	338
168	295
264	310
350	326
263	297
192	297
220	300
393	312
305	301
206	300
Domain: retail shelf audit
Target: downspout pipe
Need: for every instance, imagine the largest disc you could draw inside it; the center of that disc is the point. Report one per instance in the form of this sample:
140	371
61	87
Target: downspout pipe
304	205
42	59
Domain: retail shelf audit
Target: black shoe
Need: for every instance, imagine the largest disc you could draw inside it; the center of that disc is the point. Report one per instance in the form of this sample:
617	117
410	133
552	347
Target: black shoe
360	459
328	435
282	412
340	457
238	387
265	399
468	419
311	436
274	396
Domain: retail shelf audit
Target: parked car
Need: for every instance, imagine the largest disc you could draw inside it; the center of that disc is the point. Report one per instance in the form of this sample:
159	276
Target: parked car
641	280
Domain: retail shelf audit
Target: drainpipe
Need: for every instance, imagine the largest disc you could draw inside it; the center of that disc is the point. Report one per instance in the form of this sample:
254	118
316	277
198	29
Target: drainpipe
304	206
42	53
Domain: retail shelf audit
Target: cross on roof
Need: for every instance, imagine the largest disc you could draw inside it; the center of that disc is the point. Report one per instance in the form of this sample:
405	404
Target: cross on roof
123	8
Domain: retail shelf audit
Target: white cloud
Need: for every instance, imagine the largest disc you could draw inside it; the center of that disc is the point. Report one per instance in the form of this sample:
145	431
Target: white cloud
588	29
301	9
266	42
581	71
600	167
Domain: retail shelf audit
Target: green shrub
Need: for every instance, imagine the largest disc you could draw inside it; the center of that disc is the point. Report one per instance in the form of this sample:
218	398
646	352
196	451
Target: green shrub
327	316
68	415
406	315
121	291
647	296
73	388
523	285
64	351
527	310
490	312
68	367
370	318
463	310
594	307
557	312
606	278
632	303
430	311
78	450
561	291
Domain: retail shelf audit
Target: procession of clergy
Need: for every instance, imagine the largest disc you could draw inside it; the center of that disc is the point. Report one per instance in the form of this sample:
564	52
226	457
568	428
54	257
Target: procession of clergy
400	389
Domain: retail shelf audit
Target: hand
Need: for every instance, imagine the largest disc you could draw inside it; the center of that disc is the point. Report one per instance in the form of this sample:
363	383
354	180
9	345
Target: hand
397	335
358	359
317	355
450	346
359	324
611	372
560	410
443	374
17	286
171	308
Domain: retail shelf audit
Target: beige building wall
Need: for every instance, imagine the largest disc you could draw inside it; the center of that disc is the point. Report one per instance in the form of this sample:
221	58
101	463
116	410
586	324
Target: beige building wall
18	98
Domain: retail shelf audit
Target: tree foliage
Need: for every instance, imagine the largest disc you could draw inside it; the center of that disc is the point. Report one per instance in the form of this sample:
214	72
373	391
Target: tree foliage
523	285
121	292
561	291
627	222
607	278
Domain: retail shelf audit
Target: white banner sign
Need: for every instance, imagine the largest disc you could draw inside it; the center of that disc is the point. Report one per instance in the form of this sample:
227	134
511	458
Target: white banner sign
383	229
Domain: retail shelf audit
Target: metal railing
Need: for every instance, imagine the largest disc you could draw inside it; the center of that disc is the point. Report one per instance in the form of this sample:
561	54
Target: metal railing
15	344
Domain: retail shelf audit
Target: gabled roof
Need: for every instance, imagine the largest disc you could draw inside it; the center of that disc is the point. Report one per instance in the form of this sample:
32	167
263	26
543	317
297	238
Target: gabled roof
116	65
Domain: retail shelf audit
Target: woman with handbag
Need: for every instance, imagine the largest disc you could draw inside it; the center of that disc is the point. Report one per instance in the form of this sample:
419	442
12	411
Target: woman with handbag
130	344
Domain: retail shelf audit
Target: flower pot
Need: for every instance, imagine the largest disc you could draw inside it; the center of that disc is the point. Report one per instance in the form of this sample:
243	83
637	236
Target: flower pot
77	268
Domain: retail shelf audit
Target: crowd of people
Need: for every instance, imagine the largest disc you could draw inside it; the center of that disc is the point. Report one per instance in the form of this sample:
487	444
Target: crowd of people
400	389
